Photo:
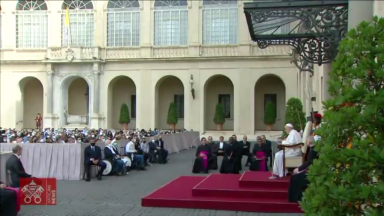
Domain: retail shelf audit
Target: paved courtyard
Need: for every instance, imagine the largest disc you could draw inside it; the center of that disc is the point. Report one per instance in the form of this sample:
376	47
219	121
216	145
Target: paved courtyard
118	196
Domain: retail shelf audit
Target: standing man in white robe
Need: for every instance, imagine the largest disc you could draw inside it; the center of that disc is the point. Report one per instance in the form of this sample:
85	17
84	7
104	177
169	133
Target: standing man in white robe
292	139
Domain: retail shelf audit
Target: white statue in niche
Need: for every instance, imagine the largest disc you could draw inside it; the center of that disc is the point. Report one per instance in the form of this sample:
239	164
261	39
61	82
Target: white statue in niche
65	116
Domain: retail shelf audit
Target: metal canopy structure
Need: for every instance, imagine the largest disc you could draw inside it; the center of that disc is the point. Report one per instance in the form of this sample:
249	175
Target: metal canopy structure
315	28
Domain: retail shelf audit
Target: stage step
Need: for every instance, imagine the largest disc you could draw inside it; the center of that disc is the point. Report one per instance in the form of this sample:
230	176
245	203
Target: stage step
255	179
217	185
179	194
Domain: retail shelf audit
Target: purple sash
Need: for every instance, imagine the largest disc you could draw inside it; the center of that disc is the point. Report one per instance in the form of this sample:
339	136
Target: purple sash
205	159
18	202
261	154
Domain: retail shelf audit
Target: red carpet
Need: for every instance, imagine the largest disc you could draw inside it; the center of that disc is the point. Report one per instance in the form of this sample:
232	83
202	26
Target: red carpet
252	191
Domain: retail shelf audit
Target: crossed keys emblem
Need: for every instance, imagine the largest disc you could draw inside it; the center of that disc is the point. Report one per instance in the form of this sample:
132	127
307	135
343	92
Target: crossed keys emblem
32	191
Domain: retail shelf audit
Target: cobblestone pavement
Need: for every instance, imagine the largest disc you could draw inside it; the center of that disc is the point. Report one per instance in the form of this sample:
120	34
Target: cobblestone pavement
118	196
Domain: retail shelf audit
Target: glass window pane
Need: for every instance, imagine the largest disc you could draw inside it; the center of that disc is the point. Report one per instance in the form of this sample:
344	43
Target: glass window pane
31	30
220	24
171	27
81	30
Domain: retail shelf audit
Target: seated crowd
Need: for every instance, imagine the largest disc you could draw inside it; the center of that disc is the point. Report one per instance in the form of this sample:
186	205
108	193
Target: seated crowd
63	135
137	153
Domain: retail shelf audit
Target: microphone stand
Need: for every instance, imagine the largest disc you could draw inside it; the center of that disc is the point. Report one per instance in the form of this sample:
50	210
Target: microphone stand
272	161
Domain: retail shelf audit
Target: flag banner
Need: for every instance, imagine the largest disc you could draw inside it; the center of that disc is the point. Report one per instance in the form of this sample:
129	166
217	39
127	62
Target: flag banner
67	30
38	191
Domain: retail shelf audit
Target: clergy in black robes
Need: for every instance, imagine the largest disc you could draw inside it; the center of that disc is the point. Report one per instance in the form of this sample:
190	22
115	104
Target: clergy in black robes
299	181
8	201
228	165
203	155
246	150
238	149
259	156
212	164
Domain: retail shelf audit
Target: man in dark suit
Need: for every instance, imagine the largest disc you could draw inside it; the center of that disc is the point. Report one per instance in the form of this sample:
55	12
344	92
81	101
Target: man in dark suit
92	156
217	150
246	151
269	147
15	167
163	153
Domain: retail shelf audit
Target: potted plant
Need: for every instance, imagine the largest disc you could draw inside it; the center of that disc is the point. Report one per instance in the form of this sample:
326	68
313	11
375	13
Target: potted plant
294	114
124	116
219	117
269	115
172	116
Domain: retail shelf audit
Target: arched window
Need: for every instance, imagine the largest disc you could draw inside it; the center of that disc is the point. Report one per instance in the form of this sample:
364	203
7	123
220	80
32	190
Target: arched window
80	32
220	22
123	23
31	24
171	23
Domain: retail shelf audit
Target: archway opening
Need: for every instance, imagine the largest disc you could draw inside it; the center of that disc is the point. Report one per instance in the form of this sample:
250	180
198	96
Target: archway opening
269	88
78	97
219	89
121	90
32	98
169	90
76	102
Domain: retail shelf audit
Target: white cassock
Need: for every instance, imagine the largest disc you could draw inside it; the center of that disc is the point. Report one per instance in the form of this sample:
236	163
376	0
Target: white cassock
292	139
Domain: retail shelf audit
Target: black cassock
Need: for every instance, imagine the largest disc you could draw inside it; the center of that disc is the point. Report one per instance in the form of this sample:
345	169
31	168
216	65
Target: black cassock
230	160
8	203
212	165
255	164
198	165
299	182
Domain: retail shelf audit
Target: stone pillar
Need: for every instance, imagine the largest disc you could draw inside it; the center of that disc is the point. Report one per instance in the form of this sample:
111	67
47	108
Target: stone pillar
95	117
50	119
96	89
358	11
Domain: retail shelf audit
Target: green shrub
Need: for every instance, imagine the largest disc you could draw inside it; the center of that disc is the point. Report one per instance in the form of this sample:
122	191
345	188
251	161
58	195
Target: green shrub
341	180
219	114
270	113
124	114
172	114
294	114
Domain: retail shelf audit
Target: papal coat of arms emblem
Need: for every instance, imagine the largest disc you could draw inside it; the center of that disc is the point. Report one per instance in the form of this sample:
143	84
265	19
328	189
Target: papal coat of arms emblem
70	54
32	190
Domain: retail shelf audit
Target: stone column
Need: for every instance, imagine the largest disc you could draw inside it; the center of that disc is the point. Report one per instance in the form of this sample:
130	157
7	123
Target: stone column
49	91
96	91
50	119
95	117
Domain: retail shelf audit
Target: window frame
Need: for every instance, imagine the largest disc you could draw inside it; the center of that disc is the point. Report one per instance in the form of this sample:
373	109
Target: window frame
133	8
157	39
179	108
77	11
211	6
227	113
133	106
25	9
